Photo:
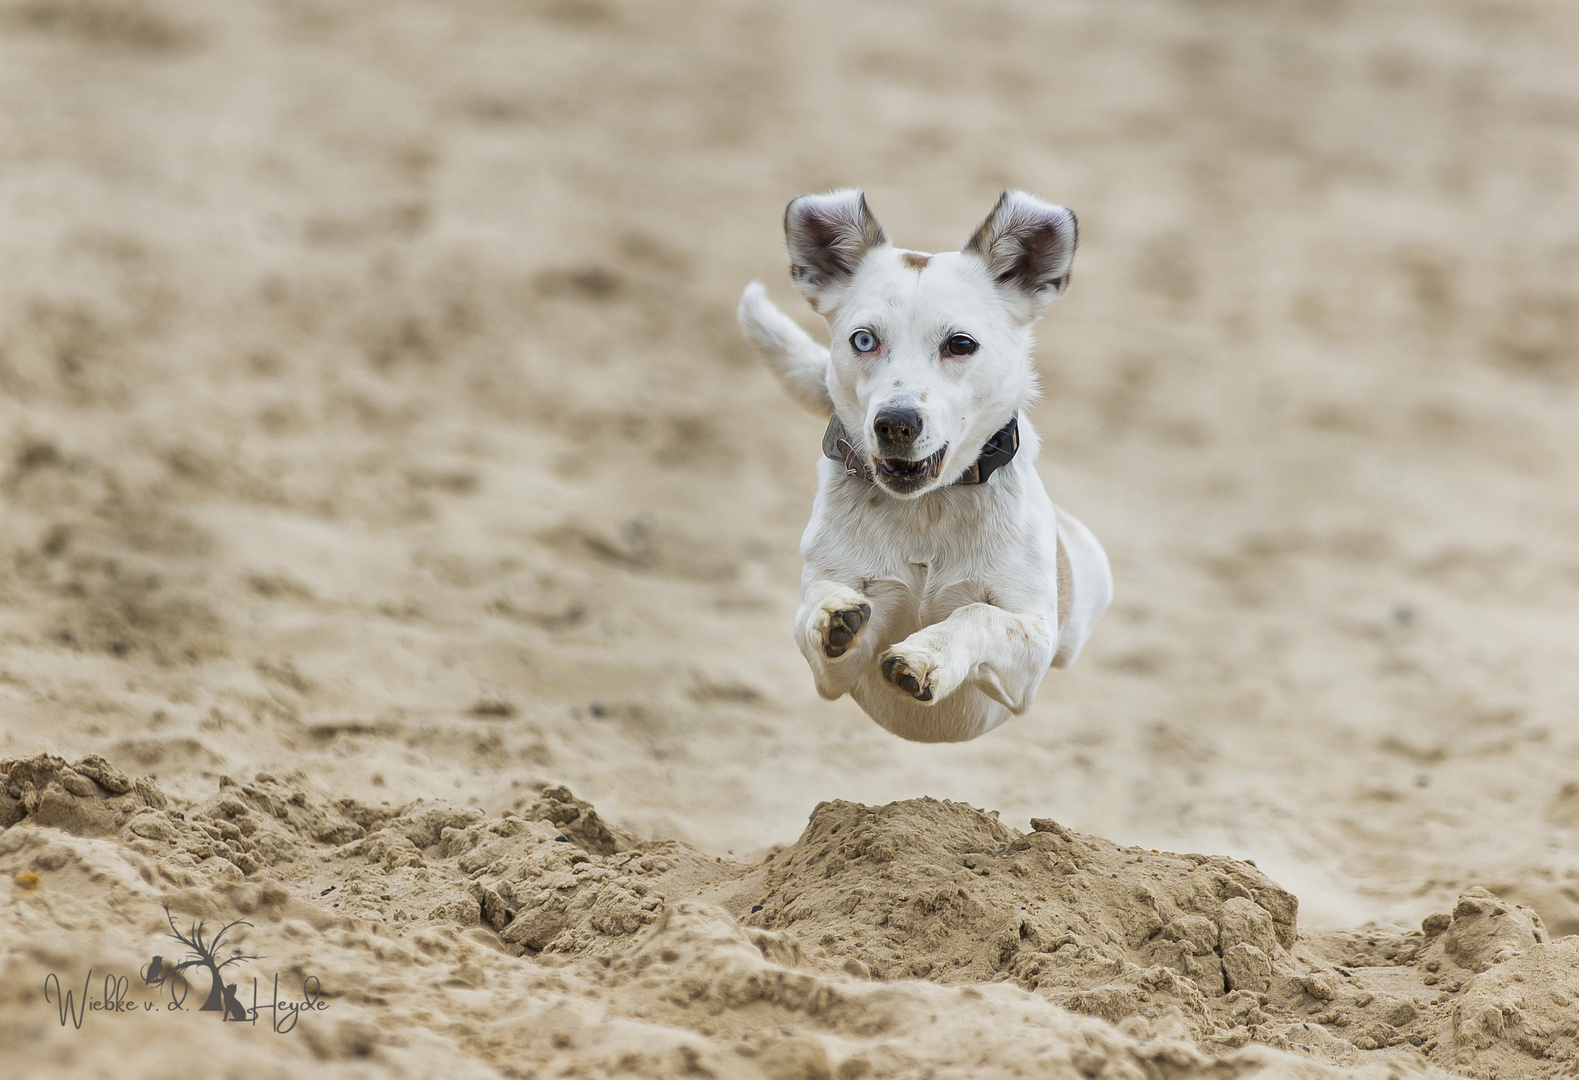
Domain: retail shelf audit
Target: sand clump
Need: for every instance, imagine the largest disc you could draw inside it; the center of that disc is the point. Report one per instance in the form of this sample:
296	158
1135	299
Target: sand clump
885	941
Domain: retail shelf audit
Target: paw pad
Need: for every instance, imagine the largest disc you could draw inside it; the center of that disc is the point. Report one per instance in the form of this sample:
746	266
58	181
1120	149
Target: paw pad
842	628
896	671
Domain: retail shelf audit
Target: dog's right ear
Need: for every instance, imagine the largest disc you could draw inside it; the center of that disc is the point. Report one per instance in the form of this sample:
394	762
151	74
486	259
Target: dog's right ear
828	236
1028	246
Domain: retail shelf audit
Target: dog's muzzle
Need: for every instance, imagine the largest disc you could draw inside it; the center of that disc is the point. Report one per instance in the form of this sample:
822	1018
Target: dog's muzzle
997	452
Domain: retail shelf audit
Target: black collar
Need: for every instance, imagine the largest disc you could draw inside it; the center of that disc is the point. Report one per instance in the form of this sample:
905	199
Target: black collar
998	452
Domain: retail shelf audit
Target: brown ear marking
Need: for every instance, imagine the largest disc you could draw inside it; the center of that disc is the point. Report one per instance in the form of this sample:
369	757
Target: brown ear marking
915	260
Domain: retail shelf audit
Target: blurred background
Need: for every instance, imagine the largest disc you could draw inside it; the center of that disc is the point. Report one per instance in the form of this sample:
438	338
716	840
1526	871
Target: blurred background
373	411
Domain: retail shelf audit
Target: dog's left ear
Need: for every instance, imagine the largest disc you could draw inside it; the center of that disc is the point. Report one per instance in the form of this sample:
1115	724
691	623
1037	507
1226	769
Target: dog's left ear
1028	246
828	236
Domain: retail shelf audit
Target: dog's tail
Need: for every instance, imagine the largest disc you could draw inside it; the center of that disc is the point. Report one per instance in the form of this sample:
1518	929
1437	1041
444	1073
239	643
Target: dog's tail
800	363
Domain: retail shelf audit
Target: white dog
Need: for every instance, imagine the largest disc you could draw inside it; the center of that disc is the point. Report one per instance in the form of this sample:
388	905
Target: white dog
940	582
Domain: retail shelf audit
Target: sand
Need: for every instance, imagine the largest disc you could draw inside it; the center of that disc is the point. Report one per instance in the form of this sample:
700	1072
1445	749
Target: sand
380	465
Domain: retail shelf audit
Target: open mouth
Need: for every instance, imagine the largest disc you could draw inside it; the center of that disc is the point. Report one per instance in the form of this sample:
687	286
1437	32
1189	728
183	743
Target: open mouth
903	475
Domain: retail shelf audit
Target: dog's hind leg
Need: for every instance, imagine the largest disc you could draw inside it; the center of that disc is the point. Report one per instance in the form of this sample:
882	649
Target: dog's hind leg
799	362
1000	653
828	629
1085	587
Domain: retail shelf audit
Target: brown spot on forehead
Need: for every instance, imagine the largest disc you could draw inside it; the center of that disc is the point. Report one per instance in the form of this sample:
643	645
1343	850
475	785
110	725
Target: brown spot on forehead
915	260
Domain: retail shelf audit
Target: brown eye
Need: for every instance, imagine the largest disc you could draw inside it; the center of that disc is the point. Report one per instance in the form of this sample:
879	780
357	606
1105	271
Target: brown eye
961	345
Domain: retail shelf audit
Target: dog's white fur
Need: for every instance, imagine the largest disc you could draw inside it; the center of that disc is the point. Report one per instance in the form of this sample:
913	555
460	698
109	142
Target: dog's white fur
965	594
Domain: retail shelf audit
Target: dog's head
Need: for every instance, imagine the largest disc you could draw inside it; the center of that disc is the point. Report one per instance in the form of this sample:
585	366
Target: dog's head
931	354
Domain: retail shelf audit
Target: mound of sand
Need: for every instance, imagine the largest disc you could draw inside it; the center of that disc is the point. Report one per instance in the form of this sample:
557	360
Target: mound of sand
884	942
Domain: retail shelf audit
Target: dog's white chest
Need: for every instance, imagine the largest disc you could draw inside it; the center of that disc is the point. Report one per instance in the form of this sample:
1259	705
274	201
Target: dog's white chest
922	598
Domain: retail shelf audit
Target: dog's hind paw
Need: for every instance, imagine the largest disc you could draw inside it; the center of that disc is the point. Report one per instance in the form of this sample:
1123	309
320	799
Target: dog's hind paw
913	677
840	627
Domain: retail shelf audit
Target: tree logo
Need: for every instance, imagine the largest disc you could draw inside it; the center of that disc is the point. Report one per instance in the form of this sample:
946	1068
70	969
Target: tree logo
203	952
165	977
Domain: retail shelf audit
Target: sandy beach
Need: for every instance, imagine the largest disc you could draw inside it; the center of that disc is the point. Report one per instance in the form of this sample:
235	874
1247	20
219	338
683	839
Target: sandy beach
398	543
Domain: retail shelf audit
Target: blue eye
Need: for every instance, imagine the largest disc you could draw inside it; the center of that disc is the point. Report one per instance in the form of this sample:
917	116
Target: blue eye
863	341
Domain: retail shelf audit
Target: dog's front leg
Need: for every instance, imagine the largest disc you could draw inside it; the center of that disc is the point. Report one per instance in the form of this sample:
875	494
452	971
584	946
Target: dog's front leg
1002	654
828	629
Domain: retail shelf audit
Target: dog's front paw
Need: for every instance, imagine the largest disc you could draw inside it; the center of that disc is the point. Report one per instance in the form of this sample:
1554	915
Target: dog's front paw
841	621
911	674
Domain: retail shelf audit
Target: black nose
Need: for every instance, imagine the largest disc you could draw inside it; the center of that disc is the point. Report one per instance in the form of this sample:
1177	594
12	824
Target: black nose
896	429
